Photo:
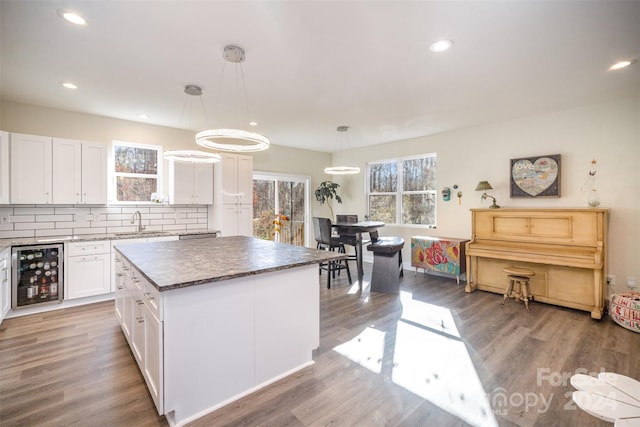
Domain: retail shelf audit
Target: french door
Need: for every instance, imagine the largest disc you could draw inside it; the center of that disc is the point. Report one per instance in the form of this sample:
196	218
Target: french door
280	207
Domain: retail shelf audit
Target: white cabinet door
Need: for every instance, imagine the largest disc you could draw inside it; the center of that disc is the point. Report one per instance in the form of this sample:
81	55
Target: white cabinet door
5	282
180	183
245	179
203	183
30	169
127	303
153	357
137	326
237	178
88	275
67	171
245	220
237	195
79	172
237	220
190	183
4	168
95	158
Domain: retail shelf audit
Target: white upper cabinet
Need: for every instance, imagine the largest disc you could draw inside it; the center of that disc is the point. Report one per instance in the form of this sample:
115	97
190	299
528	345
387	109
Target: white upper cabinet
4	168
30	169
95	176
55	170
190	183
79	172
67	171
237	178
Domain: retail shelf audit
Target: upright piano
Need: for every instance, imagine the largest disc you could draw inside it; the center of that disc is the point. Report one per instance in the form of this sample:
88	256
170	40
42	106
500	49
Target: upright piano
566	248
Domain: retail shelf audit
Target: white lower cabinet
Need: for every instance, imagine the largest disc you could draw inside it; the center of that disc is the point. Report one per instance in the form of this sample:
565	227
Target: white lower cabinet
88	269
138	309
153	355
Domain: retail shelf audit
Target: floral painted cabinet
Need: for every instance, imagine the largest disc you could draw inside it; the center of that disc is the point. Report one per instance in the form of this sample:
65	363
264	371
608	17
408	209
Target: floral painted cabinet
442	254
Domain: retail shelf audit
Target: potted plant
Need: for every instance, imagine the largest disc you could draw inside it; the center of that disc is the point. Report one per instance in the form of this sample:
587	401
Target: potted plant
326	192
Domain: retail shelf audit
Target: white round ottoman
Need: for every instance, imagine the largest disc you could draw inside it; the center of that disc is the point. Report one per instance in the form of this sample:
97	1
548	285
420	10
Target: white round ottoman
624	309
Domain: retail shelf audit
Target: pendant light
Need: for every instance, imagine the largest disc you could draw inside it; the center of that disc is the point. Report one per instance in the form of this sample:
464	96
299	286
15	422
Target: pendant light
192	156
343	170
235	140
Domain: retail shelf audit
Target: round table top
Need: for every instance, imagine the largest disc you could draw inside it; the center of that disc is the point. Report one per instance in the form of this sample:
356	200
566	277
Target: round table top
609	396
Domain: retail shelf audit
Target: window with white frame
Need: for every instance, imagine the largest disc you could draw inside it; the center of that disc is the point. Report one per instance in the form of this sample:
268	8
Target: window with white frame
136	171
403	191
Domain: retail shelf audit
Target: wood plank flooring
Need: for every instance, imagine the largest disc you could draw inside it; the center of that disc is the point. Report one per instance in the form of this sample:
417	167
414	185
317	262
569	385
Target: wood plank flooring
432	356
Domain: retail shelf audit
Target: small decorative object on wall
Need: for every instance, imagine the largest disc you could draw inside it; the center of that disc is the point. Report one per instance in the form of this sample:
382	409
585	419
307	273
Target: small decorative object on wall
589	186
536	176
446	194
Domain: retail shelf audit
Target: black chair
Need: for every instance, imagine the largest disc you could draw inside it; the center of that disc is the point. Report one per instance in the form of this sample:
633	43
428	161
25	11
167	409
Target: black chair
348	238
325	241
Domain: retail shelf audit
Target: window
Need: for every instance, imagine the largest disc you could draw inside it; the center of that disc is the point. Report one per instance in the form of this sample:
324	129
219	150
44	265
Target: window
136	171
403	191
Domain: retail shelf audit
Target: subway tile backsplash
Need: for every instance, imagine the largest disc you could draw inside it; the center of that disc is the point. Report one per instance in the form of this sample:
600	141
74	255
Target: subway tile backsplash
65	220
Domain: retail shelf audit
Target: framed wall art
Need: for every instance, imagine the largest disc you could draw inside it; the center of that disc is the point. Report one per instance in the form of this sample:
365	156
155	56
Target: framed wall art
536	176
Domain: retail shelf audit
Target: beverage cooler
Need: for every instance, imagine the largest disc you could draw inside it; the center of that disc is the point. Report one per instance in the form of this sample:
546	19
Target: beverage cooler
37	275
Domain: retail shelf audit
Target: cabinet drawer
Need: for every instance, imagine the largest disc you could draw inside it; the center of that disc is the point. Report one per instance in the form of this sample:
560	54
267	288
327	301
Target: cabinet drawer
89	248
152	299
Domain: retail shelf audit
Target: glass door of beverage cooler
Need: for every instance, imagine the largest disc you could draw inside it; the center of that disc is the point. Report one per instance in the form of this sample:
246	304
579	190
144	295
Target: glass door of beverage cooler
37	275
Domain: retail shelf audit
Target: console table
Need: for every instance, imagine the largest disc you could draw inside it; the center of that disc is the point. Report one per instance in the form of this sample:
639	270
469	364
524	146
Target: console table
442	254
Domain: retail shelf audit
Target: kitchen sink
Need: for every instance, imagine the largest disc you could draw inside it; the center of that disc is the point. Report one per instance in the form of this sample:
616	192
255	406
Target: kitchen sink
57	239
141	233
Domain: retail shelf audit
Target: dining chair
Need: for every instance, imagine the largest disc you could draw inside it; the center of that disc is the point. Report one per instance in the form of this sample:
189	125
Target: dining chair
349	239
325	241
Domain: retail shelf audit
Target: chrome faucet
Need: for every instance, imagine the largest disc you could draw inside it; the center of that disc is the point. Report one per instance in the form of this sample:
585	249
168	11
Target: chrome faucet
133	220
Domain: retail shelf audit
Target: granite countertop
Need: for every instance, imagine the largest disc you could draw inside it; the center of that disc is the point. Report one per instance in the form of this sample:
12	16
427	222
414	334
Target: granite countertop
182	263
42	240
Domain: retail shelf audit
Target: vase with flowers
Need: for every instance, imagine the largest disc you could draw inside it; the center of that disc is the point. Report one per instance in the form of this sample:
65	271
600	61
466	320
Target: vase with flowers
278	222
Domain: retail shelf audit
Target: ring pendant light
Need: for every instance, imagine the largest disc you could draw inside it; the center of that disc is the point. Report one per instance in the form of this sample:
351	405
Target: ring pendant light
192	156
227	139
342	170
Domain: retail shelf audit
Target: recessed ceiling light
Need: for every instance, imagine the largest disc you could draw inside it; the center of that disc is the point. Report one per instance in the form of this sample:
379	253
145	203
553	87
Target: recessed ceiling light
72	17
68	85
441	45
143	116
622	64
253	123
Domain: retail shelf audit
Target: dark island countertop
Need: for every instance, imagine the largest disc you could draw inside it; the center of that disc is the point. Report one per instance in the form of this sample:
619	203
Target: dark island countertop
182	263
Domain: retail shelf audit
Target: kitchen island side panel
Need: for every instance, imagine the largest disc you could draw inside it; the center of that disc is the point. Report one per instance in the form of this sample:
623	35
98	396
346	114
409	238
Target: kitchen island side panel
225	339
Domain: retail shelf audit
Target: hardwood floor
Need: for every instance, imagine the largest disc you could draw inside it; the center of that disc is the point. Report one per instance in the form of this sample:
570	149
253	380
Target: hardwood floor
432	356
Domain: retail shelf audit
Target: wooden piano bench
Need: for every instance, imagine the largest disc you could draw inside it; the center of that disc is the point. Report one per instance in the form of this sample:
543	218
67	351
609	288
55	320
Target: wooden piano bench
518	276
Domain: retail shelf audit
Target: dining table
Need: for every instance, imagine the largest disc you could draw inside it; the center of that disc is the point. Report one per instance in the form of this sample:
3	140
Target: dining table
356	229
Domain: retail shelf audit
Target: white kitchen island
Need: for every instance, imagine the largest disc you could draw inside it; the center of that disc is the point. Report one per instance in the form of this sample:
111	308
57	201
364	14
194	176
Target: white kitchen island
212	320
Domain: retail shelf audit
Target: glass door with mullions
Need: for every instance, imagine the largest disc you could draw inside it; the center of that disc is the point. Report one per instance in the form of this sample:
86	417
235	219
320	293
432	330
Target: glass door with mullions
280	208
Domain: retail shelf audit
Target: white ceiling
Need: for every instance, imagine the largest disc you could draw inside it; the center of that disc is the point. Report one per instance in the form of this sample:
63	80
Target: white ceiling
314	65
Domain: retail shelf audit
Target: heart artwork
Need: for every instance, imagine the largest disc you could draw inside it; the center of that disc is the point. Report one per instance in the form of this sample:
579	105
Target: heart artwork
534	178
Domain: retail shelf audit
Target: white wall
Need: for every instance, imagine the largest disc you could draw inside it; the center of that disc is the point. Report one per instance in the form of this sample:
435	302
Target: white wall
607	131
